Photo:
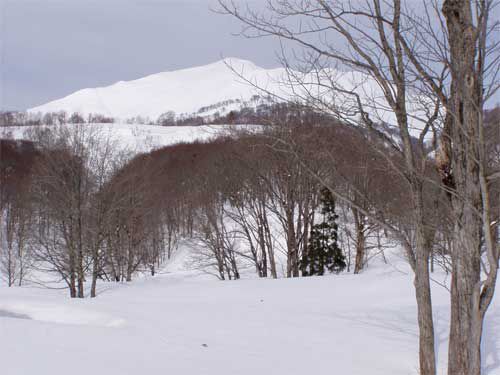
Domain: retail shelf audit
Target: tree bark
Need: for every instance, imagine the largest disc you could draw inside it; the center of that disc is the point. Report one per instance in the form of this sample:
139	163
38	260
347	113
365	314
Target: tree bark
95	272
269	241
427	356
464	114
360	241
292	269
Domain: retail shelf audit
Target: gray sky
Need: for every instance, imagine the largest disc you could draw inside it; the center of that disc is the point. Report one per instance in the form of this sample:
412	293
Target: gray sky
51	48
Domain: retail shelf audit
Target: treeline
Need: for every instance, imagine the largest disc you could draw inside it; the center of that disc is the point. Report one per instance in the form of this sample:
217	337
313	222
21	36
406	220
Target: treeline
57	209
249	202
71	206
74	206
21	118
255	112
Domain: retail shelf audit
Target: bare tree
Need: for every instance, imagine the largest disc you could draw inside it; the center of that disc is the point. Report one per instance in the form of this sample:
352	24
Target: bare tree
373	36
74	164
420	62
17	160
464	159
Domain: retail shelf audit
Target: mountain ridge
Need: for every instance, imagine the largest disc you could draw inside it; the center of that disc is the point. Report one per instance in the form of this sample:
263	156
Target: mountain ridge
233	84
183	91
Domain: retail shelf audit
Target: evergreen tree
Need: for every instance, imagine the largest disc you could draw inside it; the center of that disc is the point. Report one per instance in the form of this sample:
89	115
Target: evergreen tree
323	253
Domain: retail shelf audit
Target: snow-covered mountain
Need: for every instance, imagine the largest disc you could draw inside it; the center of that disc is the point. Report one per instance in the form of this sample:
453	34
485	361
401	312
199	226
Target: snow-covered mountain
232	84
209	88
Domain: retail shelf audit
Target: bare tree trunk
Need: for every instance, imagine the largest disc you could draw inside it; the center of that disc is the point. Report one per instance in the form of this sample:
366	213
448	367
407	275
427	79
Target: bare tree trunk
427	356
10	267
292	250
80	274
72	277
169	243
464	354
95	272
269	241
262	245
464	143
22	259
130	263
360	240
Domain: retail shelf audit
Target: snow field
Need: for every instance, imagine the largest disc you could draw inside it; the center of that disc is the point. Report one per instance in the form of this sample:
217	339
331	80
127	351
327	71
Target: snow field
180	323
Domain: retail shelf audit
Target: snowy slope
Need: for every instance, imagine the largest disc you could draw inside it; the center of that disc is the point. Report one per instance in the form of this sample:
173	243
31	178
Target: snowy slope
184	325
231	84
142	138
182	91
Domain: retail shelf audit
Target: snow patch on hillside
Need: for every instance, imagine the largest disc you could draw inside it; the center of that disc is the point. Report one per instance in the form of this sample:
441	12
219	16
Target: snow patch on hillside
143	138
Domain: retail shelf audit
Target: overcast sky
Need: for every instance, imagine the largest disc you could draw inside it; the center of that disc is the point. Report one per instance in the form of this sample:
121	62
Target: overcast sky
51	48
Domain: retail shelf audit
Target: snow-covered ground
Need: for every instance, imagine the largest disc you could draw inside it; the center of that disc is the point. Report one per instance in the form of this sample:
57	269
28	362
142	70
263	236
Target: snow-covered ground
143	138
182	323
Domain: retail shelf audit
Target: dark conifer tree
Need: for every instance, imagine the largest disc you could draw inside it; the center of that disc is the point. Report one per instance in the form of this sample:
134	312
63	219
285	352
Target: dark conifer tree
324	254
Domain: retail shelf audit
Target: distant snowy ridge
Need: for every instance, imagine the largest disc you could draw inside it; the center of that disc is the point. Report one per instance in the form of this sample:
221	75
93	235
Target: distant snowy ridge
201	90
233	84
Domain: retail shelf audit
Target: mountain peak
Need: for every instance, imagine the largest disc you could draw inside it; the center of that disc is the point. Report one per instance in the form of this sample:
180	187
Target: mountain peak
181	91
235	63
